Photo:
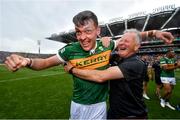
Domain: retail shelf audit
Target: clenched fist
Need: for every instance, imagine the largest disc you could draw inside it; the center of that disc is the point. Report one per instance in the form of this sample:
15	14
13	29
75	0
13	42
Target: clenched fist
14	62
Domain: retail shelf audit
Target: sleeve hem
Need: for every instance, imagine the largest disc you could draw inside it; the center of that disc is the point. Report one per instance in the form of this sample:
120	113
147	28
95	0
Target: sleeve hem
60	58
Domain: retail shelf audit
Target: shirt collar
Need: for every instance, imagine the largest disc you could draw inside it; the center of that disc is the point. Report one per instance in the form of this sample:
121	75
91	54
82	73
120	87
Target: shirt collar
130	57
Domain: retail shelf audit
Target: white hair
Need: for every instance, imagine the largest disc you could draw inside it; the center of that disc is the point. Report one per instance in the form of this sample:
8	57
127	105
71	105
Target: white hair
138	36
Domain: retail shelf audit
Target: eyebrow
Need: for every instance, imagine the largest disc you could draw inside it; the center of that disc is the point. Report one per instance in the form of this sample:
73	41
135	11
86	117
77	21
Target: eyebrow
86	28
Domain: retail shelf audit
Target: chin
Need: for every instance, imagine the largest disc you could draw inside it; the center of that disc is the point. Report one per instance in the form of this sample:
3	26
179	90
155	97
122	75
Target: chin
86	49
123	55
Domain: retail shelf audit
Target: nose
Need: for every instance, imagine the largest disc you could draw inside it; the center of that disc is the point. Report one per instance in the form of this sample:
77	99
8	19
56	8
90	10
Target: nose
121	42
82	36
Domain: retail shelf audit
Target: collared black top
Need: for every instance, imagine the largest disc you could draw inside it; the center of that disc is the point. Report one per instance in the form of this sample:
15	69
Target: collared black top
126	99
157	71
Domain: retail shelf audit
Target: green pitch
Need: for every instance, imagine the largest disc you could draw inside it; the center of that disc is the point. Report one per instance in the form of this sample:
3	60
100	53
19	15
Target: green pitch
47	94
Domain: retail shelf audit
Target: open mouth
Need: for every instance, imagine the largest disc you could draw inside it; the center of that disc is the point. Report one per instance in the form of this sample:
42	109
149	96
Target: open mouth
123	48
85	44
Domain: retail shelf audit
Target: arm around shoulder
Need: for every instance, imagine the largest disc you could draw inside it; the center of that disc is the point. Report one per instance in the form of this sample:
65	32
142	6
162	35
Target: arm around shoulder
99	76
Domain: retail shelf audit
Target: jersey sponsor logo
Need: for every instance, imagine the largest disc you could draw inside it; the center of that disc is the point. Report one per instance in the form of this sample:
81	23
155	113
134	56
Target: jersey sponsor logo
92	62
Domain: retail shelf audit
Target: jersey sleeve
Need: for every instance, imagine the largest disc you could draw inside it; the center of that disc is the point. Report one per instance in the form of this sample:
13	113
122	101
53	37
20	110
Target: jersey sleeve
113	45
63	53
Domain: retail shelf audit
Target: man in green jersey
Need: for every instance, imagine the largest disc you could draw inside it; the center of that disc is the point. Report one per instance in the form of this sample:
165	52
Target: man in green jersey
168	65
89	98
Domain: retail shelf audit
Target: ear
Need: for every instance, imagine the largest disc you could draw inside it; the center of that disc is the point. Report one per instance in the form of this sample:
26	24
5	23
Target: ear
137	47
98	30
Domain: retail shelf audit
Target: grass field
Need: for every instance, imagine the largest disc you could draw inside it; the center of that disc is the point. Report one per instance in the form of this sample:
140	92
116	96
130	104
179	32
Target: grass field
47	94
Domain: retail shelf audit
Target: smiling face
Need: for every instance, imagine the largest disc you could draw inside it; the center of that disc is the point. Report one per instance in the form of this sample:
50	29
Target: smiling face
87	34
128	45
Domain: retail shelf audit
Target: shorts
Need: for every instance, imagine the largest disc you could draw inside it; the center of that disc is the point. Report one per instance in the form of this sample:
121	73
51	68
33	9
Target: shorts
92	111
169	80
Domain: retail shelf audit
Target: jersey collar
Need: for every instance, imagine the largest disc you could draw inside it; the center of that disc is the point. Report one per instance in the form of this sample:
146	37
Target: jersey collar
92	51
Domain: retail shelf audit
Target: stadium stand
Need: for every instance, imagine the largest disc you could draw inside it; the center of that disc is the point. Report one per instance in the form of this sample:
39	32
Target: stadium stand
165	18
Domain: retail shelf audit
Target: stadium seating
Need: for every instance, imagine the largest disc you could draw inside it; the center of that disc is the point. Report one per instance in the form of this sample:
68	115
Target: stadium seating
164	20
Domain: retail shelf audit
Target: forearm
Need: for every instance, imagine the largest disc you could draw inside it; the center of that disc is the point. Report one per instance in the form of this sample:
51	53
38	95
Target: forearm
15	62
147	34
168	67
91	75
40	64
111	73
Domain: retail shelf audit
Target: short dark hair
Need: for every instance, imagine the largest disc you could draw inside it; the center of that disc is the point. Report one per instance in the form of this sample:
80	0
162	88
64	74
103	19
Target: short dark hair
83	17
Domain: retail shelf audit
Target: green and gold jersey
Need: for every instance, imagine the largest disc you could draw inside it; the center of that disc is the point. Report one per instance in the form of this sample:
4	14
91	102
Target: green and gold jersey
170	62
87	92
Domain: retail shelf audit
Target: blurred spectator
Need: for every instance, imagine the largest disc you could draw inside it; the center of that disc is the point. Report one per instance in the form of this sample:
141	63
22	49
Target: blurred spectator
146	78
157	72
168	65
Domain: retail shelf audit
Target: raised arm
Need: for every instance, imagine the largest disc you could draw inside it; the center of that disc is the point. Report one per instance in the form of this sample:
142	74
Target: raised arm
169	66
167	37
15	62
111	73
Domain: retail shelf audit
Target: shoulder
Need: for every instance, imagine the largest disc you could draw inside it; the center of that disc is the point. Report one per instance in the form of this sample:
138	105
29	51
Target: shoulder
111	46
132	69
70	47
133	63
68	51
163	59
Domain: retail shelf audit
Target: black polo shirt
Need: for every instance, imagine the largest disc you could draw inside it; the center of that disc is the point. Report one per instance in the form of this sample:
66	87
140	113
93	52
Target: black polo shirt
157	71
126	99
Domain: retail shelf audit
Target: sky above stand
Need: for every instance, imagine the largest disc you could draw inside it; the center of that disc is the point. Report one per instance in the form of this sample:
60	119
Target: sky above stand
24	22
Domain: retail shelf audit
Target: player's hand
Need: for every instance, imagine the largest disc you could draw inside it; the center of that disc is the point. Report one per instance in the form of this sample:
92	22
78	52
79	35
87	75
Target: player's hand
167	37
67	66
14	62
106	41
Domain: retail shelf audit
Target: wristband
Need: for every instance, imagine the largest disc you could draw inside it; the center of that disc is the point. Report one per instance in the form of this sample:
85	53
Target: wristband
71	70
